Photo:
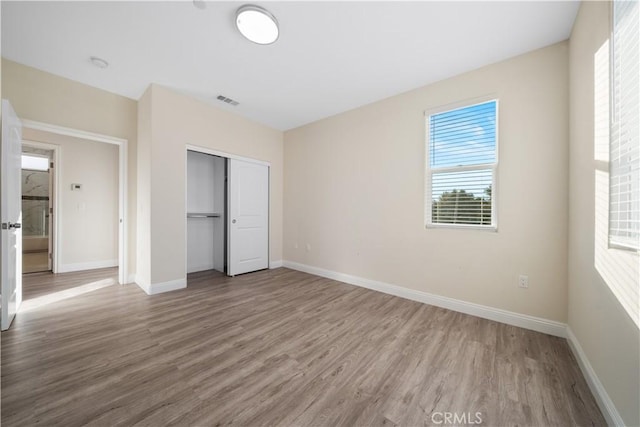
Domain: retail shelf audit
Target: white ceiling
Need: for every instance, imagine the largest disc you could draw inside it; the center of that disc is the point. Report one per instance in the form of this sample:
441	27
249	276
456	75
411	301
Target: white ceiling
331	56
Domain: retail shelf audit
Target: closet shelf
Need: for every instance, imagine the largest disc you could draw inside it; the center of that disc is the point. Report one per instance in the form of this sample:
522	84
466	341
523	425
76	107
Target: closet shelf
202	215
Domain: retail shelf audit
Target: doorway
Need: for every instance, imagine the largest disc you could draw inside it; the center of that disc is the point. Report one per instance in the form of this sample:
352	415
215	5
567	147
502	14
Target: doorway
73	183
81	191
37	175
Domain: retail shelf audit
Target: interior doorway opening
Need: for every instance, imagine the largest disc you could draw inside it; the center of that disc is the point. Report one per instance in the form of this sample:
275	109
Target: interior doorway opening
37	176
80	203
70	218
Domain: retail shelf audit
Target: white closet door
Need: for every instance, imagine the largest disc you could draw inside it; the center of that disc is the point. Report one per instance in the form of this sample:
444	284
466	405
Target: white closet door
248	217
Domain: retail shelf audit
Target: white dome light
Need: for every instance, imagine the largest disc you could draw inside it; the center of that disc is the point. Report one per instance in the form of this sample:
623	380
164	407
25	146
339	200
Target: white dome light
257	24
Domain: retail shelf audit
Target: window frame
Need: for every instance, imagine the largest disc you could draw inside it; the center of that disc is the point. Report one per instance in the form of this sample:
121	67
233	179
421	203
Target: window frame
611	242
429	171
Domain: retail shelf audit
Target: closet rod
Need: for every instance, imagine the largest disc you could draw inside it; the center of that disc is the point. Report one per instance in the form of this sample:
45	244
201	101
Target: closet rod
208	215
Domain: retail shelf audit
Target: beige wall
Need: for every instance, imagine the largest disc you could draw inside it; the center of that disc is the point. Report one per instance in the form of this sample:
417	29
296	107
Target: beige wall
354	192
168	121
88	219
607	334
44	97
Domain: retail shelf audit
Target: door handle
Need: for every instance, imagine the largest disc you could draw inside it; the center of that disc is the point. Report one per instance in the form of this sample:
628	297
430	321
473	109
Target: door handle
10	225
233	221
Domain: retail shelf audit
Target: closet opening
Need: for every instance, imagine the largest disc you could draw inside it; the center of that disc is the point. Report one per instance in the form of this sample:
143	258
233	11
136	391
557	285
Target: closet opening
206	212
227	213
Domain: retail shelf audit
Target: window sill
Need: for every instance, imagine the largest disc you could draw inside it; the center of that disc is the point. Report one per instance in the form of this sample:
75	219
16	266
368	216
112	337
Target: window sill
490	228
621	247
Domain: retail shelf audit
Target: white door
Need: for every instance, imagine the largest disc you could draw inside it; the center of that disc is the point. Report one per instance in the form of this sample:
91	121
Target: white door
248	241
10	214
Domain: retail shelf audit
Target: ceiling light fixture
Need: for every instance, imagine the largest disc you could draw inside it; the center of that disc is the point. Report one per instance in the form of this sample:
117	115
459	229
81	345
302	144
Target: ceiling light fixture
99	62
257	24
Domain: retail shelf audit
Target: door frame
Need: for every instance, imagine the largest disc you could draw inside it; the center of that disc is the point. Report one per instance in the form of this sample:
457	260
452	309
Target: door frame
205	150
123	219
54	184
212	152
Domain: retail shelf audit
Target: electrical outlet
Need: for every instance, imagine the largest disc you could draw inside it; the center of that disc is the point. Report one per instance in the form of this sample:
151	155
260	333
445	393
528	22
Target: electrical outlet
523	281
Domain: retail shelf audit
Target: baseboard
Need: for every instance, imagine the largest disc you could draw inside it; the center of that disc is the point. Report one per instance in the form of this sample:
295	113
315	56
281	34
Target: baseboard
605	403
131	278
80	266
158	288
275	264
503	316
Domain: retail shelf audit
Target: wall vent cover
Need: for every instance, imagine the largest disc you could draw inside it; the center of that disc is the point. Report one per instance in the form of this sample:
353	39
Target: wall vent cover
227	100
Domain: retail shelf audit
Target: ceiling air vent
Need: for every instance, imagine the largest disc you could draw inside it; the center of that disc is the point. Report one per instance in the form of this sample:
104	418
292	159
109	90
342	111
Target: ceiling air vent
227	100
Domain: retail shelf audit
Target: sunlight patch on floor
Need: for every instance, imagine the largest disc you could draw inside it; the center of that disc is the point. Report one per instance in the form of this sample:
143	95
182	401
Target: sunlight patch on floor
38	302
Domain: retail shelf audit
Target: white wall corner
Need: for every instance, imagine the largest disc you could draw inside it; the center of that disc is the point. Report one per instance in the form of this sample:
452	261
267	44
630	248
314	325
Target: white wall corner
538	324
158	288
275	264
605	403
81	266
131	278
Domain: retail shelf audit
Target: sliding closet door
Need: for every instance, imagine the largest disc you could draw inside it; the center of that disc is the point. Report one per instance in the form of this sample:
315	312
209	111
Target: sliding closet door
248	217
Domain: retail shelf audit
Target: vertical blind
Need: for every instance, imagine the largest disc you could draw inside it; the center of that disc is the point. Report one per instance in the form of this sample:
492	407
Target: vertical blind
461	165
624	191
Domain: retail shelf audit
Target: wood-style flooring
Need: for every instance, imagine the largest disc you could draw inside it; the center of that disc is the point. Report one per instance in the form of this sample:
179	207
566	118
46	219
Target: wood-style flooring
279	347
41	284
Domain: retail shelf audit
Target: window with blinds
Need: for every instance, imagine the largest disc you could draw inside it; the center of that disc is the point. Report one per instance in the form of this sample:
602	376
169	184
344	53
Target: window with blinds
461	166
624	177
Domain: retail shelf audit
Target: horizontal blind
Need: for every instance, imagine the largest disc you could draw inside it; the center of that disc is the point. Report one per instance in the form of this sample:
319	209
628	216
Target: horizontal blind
465	136
462	197
462	158
624	191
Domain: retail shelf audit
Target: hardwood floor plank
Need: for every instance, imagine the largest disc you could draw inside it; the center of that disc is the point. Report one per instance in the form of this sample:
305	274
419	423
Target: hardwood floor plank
278	348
